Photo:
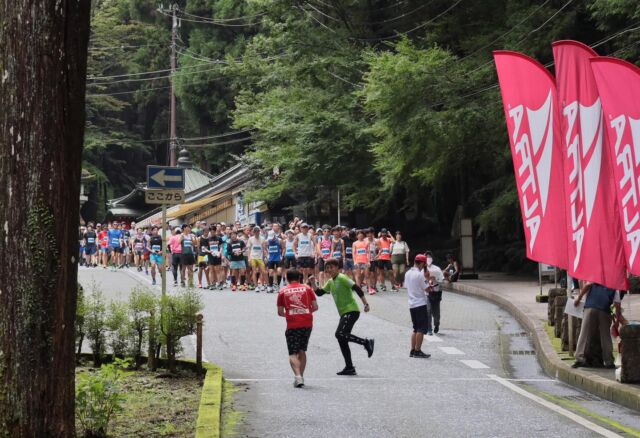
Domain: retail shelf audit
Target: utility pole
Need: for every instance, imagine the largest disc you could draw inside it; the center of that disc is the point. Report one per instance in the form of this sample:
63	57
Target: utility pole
173	142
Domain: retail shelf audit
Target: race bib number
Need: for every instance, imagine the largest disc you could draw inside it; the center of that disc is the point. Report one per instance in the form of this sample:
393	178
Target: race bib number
91	240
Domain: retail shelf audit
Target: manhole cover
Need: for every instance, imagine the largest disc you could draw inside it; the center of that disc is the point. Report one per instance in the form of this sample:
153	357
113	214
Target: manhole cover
583	397
523	352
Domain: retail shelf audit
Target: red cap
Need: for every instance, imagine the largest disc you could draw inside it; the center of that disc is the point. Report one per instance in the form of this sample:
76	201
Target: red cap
421	258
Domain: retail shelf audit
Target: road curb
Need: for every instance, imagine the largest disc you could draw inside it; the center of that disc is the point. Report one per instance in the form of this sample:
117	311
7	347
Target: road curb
614	391
209	412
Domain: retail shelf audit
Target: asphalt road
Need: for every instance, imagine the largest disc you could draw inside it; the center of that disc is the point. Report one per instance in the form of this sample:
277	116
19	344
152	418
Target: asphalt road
481	381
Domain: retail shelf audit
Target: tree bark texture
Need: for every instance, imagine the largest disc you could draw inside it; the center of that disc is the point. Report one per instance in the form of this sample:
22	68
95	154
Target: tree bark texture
43	53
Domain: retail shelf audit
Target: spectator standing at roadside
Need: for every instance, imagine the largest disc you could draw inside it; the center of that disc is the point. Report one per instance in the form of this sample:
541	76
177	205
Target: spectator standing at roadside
297	302
434	278
417	285
452	271
597	321
399	259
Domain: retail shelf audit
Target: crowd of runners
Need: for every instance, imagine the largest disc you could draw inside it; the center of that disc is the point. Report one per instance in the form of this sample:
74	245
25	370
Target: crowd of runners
299	262
250	257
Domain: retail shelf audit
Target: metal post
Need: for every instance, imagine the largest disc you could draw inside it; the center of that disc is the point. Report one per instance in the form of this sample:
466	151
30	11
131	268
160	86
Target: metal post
338	207
540	277
173	143
163	271
199	342
151	359
570	319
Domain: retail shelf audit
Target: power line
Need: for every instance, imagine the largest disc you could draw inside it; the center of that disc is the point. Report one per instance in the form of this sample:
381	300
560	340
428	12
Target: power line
94	78
401	34
179	74
222	143
193	20
124	46
506	33
244	17
227	134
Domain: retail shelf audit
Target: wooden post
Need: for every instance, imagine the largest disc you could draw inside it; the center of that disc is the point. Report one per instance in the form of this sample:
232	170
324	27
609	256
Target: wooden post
199	341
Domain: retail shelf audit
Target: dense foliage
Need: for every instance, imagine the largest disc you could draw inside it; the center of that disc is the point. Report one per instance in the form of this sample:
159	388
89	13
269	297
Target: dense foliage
394	102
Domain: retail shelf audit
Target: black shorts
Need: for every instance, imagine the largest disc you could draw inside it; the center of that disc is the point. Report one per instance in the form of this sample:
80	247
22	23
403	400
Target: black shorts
176	258
188	259
385	265
321	264
297	339
305	262
215	261
117	250
273	265
420	319
373	265
290	263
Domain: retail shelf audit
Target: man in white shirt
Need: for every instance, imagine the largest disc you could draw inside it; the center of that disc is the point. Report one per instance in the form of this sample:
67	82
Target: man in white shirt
417	285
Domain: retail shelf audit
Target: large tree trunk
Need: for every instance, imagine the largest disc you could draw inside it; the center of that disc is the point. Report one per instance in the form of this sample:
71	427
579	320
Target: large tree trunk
43	52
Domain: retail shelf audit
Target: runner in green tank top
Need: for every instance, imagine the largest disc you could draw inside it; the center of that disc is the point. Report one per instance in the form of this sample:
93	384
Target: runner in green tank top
341	289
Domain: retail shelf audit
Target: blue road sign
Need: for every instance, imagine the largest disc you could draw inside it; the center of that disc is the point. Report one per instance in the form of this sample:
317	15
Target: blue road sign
165	177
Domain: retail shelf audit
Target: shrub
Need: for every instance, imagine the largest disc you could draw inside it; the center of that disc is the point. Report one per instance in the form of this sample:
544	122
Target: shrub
98	397
142	307
117	322
81	310
179	320
95	315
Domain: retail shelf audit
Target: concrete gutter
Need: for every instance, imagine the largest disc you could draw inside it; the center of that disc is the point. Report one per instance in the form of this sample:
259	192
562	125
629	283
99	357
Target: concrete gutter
624	394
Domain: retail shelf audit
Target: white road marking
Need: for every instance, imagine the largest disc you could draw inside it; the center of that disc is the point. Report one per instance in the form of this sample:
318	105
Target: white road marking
392	379
432	338
564	412
451	350
475	364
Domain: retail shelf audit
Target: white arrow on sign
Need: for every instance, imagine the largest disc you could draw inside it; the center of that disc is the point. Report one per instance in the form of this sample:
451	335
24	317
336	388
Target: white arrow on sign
161	178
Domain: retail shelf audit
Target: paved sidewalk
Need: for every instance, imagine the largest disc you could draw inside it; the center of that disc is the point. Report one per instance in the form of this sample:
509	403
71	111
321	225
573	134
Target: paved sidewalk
517	295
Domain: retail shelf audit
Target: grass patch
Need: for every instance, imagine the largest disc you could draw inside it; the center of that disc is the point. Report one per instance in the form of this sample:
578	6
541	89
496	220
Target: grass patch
231	418
155	407
556	343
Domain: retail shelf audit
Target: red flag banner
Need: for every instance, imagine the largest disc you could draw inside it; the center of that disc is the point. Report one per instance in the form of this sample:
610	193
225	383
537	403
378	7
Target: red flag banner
619	87
529	99
595	248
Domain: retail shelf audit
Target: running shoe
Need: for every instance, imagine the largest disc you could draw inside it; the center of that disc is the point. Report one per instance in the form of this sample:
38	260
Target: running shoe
153	282
199	285
221	286
243	288
347	372
182	284
298	383
430	333
394	288
412	353
372	291
421	355
436	329
383	288
233	288
369	344
175	282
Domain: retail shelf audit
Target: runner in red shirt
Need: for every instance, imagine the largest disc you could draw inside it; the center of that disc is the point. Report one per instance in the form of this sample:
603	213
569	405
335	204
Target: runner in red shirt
103	237
297	302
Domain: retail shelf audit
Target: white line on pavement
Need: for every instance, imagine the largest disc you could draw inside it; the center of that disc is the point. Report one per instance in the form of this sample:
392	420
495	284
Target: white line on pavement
394	379
574	417
451	350
475	364
432	338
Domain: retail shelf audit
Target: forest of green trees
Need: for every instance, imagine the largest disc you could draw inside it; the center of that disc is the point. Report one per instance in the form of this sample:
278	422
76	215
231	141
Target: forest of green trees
394	102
